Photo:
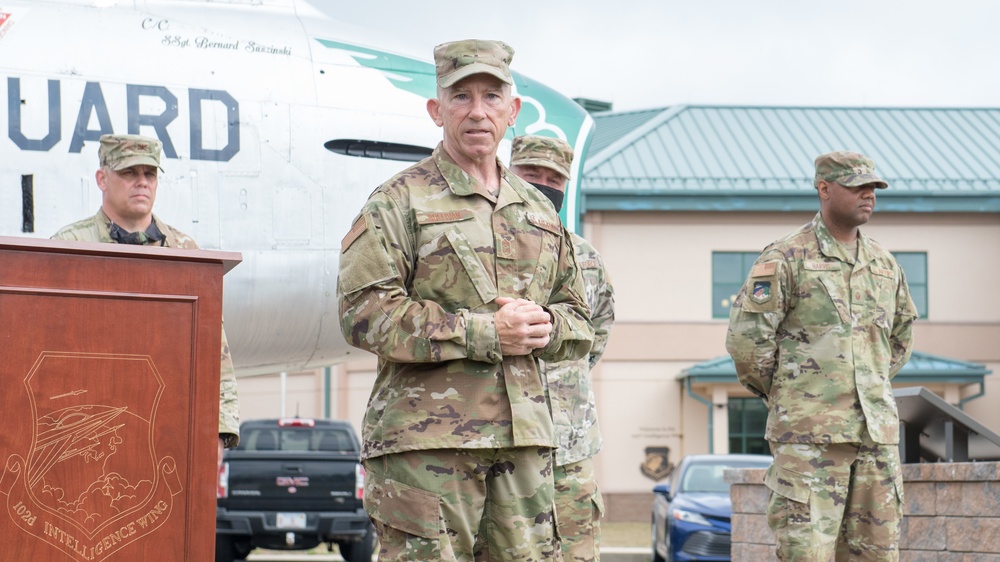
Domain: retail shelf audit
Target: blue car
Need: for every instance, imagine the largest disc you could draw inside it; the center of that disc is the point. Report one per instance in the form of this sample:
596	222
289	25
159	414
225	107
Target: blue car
692	510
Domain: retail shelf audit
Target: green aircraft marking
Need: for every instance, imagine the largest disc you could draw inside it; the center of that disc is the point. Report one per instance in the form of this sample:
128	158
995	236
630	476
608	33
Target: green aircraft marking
544	111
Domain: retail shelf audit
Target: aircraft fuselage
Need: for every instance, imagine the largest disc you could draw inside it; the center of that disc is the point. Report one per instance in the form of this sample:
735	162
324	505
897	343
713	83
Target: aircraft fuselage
276	123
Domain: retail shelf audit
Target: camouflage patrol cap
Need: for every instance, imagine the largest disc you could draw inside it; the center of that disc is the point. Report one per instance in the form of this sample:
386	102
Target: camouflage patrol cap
849	169
124	151
550	153
459	59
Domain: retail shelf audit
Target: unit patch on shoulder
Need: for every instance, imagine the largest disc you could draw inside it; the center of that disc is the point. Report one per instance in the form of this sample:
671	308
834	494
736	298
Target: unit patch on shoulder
761	291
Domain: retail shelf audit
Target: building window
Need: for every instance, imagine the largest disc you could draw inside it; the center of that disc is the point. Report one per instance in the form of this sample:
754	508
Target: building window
914	264
729	271
747	421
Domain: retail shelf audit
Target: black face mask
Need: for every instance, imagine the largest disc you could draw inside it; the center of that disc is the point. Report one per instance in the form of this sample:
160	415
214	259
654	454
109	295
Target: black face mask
122	236
554	195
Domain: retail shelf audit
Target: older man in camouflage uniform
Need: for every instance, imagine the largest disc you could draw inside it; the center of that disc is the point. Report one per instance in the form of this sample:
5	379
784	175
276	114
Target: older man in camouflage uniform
459	276
545	163
128	178
821	326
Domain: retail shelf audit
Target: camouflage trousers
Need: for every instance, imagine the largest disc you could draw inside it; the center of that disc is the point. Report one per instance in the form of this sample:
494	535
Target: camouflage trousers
579	508
842	499
463	505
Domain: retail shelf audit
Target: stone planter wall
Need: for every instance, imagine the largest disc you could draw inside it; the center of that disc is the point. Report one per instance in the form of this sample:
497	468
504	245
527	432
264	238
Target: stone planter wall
951	514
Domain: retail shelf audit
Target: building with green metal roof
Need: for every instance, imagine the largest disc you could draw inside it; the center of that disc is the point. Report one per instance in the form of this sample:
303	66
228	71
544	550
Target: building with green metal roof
680	200
696	158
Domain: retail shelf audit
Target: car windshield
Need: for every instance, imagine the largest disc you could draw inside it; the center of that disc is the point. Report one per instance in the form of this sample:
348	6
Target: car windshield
709	477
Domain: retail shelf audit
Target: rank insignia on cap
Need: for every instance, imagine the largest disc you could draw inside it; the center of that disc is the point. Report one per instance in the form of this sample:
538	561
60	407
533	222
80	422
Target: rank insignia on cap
761	292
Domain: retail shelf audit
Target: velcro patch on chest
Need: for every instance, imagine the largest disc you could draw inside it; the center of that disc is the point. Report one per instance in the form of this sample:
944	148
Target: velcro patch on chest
545	224
821	266
884	272
436	217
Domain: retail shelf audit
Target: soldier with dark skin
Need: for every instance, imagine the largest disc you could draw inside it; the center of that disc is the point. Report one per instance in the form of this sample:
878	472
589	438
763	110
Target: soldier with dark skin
459	276
822	324
128	179
545	163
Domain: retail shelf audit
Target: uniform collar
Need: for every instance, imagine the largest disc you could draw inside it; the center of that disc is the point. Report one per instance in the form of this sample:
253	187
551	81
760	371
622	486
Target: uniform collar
104	229
462	184
832	248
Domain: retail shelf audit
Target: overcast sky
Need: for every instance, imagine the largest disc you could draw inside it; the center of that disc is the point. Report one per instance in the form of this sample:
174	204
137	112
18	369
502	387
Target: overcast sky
653	53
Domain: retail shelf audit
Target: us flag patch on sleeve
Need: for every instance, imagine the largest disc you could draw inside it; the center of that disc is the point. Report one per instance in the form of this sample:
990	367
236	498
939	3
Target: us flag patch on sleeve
766	269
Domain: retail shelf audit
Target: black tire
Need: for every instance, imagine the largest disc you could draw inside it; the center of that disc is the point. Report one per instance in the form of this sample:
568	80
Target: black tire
225	550
656	557
360	551
242	548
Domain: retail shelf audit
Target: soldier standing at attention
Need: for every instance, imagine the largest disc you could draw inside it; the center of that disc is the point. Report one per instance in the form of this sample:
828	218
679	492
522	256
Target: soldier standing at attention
459	276
822	324
128	178
545	164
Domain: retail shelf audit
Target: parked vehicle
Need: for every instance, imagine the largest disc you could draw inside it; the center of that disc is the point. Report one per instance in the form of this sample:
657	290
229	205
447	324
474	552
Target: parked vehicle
293	484
692	510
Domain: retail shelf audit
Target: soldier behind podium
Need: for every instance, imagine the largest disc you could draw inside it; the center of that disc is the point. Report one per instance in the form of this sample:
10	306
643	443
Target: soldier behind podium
545	163
128	179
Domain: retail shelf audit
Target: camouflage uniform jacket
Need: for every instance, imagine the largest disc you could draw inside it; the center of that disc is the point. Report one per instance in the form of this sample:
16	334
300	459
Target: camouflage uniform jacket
419	272
819	335
98	229
574	409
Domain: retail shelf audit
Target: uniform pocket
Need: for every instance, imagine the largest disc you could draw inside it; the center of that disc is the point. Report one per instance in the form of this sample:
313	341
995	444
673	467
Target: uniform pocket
898	481
481	280
403	507
787	483
882	297
829	288
450	272
788	512
364	261
536	259
598	504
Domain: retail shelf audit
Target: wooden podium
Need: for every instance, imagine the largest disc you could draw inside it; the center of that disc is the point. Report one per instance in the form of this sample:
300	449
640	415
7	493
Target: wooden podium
109	366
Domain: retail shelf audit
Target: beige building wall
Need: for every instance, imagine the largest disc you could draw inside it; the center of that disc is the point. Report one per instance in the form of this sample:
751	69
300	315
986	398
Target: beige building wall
661	267
308	394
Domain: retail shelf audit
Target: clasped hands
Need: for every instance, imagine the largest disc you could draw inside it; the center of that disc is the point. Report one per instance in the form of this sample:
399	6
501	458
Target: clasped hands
522	325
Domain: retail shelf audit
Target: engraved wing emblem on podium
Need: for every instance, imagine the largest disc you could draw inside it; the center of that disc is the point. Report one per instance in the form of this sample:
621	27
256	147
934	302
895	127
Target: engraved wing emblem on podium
92	481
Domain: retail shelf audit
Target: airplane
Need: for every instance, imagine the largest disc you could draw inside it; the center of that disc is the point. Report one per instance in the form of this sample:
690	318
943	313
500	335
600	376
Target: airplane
277	122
